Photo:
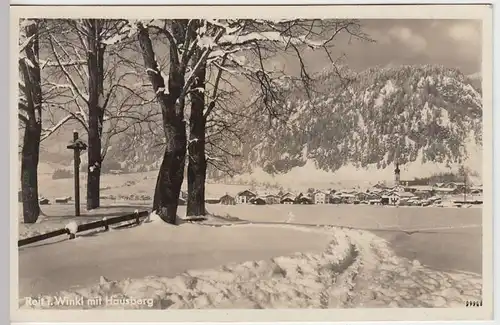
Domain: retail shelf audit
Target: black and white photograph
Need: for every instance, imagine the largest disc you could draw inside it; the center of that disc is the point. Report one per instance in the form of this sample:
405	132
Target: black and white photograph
277	161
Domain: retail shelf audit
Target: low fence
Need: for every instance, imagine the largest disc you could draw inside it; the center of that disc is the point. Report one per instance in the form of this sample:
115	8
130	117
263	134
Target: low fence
104	223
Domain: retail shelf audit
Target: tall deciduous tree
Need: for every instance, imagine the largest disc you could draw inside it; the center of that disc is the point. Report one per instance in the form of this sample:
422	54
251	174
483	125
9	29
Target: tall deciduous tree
197	163
101	86
30	115
193	46
96	104
34	98
171	94
243	52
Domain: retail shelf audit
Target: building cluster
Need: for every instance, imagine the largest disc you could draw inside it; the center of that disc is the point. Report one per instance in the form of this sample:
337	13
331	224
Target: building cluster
409	193
400	193
376	195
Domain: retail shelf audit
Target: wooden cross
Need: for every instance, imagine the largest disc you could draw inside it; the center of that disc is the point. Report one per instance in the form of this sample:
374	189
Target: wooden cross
77	145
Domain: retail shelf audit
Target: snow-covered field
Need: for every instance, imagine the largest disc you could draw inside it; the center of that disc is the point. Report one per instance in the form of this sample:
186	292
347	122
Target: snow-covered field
292	256
124	184
357	216
370	217
353	269
57	215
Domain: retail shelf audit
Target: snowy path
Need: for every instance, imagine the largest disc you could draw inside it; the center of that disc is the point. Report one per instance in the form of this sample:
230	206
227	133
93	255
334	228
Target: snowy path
356	269
440	239
153	250
445	239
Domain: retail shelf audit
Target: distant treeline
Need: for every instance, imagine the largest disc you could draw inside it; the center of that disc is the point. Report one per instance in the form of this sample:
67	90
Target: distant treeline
444	177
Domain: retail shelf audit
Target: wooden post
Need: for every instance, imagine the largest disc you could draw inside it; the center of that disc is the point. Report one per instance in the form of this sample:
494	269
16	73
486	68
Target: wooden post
137	218
77	146
76	161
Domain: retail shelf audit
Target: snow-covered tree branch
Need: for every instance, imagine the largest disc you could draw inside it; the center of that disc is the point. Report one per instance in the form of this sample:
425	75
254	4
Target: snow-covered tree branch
87	56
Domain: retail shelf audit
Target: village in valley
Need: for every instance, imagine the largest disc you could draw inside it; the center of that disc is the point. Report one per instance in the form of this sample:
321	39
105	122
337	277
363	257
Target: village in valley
415	192
399	193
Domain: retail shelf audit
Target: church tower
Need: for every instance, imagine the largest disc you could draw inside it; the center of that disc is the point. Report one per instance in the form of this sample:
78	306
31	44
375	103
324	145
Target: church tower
397	175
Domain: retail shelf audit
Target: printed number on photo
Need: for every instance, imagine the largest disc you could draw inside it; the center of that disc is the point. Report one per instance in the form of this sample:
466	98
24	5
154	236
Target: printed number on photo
473	303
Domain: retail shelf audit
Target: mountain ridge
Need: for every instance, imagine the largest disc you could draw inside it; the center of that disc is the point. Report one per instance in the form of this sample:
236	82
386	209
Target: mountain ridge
423	115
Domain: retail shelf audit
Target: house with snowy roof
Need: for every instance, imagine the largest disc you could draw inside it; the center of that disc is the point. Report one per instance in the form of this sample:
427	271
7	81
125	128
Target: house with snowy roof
391	198
320	197
245	196
405	195
398	188
303	199
348	198
257	200
288	198
476	190
227	200
362	196
272	198
454	184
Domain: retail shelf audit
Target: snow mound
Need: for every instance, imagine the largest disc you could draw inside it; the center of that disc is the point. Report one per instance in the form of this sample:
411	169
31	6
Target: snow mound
72	227
357	269
154	217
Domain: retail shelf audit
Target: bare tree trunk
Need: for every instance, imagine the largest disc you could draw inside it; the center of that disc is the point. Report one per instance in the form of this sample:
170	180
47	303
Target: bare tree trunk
32	118
171	174
29	172
197	163
95	64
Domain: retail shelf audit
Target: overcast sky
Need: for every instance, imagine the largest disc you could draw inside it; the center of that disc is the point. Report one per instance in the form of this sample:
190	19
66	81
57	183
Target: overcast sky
452	43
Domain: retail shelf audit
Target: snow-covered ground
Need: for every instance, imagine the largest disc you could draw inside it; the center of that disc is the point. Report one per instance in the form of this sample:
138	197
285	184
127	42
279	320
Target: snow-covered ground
353	269
153	248
357	216
123	185
333	267
56	216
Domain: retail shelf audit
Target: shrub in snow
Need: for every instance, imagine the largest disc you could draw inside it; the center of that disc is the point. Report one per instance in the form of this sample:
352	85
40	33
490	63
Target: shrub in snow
153	216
